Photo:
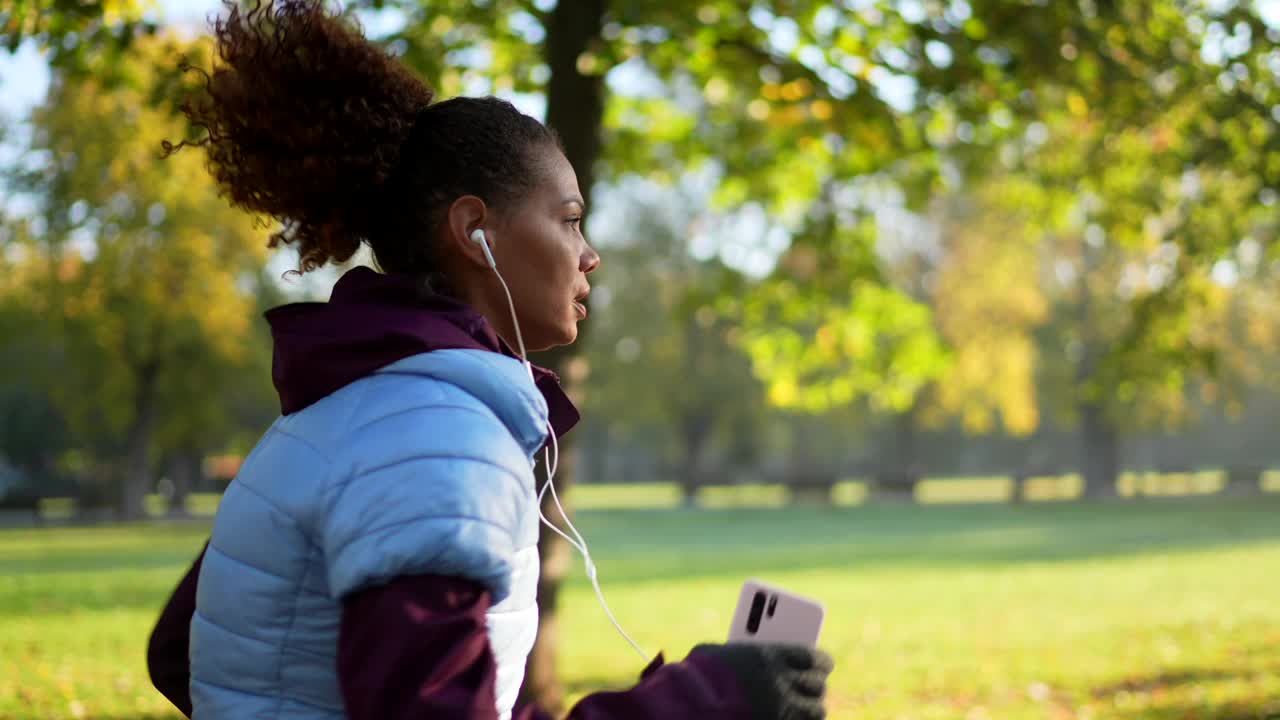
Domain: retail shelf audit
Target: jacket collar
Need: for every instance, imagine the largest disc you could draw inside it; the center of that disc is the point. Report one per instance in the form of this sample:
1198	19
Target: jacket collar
373	320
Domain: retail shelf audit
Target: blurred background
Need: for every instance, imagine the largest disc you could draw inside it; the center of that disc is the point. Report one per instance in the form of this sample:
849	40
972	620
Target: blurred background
960	316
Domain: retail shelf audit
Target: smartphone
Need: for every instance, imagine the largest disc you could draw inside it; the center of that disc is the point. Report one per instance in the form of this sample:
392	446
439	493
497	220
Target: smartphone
769	614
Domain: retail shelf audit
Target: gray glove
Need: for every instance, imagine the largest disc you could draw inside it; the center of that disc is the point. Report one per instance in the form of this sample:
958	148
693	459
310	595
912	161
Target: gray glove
782	682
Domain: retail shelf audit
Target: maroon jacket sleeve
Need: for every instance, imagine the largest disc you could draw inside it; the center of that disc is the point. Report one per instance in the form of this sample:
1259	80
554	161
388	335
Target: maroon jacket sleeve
418	648
167	660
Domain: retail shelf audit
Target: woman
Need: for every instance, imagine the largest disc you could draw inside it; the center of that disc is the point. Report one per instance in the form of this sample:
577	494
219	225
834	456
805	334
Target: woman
376	557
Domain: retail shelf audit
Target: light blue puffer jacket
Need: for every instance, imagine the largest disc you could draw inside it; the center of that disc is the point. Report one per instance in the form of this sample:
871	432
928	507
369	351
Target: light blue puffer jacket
423	467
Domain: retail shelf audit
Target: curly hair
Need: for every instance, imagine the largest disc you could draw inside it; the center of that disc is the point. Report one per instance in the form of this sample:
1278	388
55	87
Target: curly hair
308	123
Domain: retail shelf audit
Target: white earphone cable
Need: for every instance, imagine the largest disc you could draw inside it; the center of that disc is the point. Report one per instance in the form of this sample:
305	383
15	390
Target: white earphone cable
524	356
582	549
552	463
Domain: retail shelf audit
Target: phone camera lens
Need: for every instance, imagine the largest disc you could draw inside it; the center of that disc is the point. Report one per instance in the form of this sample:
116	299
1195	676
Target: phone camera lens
757	609
773	605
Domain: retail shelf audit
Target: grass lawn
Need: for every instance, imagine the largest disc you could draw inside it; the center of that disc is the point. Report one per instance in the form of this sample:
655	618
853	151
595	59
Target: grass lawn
1154	610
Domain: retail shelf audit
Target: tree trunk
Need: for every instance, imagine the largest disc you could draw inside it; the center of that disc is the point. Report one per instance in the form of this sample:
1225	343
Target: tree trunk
697	431
1018	493
1100	449
696	420
595	464
184	471
1243	481
1099	437
138	478
541	682
98	492
575	102
809	479
575	110
900	471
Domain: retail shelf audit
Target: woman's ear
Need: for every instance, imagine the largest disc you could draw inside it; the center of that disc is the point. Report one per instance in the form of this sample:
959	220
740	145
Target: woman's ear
465	216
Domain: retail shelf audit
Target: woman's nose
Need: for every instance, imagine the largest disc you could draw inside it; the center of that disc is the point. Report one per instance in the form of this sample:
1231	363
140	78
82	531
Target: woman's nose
590	260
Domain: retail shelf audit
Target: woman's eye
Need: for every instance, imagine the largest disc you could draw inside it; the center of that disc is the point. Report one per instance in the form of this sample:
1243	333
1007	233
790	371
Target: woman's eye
574	221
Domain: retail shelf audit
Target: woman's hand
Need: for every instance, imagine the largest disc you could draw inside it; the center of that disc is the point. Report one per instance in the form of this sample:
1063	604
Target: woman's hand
781	682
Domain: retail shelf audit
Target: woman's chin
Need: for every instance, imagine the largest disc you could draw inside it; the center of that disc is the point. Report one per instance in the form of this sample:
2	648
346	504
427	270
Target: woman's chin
568	334
553	337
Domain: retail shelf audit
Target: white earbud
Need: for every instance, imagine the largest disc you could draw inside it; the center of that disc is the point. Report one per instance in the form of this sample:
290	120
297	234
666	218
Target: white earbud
477	237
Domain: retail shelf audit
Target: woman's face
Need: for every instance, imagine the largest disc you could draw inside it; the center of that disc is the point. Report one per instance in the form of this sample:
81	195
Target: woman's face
540	250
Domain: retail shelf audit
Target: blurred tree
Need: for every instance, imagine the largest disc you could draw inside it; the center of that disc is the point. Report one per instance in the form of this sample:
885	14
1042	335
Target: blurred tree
144	278
33	434
1144	136
987	307
659	349
234	421
1138	142
967	263
1136	310
76	34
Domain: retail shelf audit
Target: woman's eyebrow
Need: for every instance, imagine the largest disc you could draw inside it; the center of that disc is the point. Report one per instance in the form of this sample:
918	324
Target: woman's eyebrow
575	200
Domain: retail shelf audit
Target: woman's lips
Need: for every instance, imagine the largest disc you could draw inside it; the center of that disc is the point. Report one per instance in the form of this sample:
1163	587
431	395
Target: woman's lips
580	309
